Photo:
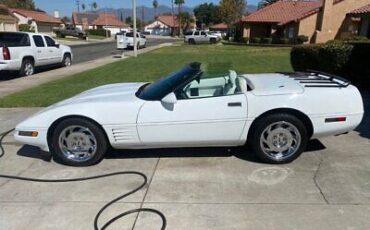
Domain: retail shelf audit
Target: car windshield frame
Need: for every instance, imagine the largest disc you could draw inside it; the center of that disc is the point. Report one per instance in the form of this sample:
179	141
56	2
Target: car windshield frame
158	90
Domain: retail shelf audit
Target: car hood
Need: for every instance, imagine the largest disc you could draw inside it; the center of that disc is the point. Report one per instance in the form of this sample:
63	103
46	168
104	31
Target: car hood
112	92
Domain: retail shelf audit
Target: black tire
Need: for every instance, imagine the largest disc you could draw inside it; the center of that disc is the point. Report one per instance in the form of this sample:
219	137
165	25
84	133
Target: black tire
212	41
191	41
258	133
66	58
101	142
27	67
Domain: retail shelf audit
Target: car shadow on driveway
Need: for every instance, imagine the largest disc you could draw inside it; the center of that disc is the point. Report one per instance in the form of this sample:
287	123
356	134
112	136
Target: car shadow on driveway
364	128
243	153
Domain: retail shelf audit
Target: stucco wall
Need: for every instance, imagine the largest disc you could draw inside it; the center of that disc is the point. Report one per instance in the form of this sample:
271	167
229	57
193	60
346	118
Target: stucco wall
337	27
307	27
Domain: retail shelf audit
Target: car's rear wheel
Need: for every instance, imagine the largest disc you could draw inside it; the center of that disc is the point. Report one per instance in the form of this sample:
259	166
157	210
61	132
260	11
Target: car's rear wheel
27	68
279	138
67	60
191	41
213	40
78	142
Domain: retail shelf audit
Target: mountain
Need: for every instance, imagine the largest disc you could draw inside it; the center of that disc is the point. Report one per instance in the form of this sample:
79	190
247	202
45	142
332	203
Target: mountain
148	12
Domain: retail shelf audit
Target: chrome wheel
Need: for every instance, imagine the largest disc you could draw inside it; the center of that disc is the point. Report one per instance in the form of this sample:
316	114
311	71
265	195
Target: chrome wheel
280	140
77	143
28	69
67	61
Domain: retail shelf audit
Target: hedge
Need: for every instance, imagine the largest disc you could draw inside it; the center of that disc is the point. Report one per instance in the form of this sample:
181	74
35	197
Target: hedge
350	60
99	32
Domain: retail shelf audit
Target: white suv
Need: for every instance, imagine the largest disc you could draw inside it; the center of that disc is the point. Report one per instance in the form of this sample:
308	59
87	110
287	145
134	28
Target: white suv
201	36
20	51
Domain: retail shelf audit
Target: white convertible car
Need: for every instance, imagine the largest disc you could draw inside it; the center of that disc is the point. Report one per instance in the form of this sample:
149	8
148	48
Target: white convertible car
275	113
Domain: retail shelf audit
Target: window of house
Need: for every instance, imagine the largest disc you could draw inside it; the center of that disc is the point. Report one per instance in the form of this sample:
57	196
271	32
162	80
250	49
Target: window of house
291	32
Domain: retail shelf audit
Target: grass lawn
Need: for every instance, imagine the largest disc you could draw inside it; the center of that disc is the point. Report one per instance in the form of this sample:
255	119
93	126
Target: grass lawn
154	65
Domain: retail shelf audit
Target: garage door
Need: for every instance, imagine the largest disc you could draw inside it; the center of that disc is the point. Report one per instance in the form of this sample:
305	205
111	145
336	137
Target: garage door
10	27
45	28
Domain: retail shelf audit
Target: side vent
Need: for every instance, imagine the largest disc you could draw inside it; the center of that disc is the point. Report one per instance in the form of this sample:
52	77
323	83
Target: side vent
127	134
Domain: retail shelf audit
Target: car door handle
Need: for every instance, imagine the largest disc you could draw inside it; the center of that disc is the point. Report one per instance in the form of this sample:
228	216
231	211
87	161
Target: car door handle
234	104
38	51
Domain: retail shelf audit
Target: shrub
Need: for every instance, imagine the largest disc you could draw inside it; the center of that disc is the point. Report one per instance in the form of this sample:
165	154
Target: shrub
25	28
284	41
357	39
334	57
256	40
99	32
266	40
302	39
346	59
305	57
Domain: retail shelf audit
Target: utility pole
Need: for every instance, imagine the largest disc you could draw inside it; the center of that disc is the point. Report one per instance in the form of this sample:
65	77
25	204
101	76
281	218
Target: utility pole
78	5
134	24
142	18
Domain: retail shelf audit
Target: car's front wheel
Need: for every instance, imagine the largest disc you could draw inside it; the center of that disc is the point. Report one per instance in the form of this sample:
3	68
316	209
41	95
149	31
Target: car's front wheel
279	138
78	142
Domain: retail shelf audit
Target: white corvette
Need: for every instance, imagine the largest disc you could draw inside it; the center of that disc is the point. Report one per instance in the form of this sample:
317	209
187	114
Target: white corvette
276	113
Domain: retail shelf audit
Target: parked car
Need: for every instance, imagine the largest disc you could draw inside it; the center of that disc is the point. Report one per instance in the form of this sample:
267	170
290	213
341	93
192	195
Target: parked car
70	30
200	36
129	40
23	52
276	113
119	33
218	34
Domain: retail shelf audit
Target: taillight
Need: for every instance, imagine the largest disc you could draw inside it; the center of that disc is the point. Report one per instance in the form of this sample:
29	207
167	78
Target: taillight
6	53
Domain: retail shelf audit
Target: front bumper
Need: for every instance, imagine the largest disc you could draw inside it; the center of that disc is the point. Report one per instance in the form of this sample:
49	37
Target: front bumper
39	141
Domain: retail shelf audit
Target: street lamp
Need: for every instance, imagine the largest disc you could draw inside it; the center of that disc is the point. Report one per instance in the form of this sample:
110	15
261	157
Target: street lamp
134	33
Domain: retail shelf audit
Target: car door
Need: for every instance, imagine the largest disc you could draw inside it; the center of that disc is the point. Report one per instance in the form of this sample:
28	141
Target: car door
202	121
42	54
55	53
203	37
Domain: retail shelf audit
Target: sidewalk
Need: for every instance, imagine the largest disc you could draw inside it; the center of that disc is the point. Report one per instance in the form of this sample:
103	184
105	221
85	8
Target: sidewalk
20	84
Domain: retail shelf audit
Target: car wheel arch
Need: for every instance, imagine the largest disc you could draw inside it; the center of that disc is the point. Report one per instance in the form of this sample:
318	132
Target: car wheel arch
59	120
294	112
29	57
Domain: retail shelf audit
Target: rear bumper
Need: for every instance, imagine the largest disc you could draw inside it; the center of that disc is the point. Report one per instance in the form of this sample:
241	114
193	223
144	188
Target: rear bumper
10	65
323	128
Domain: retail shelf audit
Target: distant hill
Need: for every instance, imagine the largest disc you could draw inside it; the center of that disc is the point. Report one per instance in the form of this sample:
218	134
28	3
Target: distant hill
148	12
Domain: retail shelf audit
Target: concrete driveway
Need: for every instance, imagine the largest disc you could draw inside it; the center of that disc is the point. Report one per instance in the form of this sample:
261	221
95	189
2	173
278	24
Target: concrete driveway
328	187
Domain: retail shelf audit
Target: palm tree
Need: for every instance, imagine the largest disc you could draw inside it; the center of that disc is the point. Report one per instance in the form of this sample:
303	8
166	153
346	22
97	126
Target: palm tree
179	4
155	6
94	5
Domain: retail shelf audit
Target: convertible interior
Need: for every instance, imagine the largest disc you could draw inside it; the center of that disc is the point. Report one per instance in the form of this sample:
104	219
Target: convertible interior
213	86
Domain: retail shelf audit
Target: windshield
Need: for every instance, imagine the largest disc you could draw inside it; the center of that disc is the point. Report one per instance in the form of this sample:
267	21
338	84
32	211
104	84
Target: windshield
166	85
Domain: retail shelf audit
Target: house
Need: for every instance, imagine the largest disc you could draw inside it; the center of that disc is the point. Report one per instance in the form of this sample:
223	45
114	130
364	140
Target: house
106	21
38	21
319	20
8	22
219	27
165	25
362	14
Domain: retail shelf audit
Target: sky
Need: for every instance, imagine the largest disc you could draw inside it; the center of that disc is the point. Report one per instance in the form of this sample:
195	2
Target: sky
65	7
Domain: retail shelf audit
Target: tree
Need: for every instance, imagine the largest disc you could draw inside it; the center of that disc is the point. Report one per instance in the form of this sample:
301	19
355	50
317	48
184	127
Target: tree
231	11
155	6
23	4
83	6
128	20
264	3
179	3
186	20
94	5
207	14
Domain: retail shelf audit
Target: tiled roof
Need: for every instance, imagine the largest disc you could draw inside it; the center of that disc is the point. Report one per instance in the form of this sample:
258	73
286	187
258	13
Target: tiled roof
284	11
5	14
103	19
38	16
168	20
219	26
362	10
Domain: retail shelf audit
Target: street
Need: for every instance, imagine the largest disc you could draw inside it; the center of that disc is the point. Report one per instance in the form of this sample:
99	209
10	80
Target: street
87	52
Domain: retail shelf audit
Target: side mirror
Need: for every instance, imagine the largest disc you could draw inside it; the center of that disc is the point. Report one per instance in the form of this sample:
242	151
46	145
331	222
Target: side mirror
169	99
144	36
57	45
